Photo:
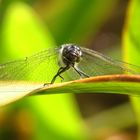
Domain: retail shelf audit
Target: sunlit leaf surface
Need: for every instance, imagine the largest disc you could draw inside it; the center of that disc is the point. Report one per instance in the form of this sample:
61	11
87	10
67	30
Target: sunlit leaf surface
117	84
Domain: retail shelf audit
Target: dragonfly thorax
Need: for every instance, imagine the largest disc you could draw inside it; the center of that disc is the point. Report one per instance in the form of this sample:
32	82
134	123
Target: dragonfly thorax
70	54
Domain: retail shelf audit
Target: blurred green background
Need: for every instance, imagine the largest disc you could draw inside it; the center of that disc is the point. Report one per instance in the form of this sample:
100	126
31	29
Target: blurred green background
29	26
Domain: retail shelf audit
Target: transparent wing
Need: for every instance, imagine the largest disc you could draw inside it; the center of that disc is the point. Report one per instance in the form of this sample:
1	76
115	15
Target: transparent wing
94	64
44	65
102	65
34	68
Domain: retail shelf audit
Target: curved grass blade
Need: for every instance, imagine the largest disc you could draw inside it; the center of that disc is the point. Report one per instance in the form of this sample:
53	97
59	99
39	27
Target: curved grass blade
117	84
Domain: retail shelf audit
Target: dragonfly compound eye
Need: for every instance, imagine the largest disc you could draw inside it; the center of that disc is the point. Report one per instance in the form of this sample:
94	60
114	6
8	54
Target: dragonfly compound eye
71	54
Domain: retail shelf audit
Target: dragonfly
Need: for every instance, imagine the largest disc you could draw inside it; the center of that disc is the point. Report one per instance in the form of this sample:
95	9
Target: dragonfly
67	62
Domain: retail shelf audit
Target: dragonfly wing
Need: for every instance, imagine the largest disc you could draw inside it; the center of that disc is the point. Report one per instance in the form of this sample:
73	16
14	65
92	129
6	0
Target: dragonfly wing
94	64
34	68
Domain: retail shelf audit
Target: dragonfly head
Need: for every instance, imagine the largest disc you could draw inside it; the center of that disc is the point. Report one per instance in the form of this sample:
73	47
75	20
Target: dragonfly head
71	54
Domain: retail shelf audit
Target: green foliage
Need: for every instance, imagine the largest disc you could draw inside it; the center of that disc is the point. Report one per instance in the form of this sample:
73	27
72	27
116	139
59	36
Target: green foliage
23	34
132	46
25	30
78	19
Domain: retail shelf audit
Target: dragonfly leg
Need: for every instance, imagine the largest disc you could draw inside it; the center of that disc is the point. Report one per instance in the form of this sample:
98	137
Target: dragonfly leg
54	78
61	68
80	72
61	78
60	71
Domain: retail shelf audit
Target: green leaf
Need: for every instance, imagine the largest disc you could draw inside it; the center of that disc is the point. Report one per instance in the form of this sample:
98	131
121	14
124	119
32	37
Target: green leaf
131	44
116	84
